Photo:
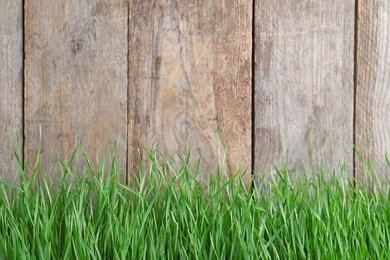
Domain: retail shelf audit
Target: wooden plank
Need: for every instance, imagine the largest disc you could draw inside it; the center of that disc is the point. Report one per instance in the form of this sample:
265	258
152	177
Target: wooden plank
373	80
11	82
75	77
303	84
190	72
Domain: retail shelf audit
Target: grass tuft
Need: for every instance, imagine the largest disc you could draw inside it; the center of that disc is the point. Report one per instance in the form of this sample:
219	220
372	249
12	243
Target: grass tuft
166	213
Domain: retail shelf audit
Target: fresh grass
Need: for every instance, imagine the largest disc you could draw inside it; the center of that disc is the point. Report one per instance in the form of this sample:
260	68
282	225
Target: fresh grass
167	214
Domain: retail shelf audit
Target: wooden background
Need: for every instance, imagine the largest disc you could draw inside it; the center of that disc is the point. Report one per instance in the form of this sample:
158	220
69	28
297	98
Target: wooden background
296	81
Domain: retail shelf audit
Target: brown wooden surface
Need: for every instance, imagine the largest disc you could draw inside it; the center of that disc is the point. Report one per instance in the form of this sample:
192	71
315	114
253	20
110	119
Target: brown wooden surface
11	82
373	85
75	77
303	83
190	72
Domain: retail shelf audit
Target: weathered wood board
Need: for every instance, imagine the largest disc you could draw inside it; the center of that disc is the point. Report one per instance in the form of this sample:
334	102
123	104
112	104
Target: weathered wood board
11	83
373	81
190	73
75	78
304	56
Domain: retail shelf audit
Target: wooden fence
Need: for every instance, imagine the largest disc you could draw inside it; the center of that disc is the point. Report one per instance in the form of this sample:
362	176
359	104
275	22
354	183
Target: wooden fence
174	71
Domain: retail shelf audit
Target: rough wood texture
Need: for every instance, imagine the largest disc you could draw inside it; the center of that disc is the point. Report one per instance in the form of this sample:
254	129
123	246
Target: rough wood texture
190	72
303	83
373	81
75	77
11	82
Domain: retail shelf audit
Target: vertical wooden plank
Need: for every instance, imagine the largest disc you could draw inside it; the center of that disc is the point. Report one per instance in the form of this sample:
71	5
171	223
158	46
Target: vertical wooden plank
190	72
76	77
11	82
304	58
373	80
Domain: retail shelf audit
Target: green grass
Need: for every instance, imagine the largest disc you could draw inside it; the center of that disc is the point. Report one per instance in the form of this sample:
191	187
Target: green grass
167	214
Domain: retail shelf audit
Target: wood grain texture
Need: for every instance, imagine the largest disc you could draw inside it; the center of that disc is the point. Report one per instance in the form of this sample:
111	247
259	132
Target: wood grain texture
304	54
75	78
373	80
190	72
11	82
